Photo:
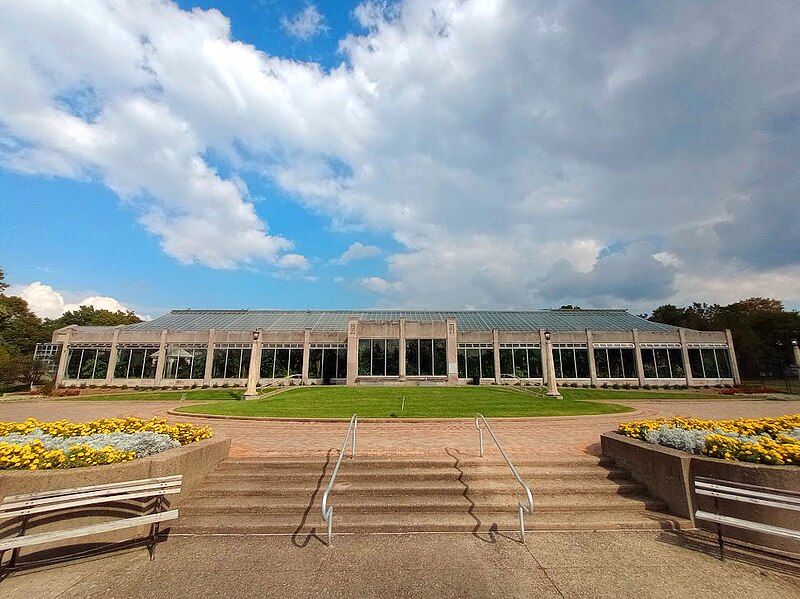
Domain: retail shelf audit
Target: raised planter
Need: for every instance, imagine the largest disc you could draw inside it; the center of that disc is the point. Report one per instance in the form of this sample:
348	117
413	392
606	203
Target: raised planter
193	461
669	475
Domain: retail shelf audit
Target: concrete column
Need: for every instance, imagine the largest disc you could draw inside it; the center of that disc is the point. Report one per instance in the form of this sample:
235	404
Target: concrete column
592	367
452	351
545	357
162	356
62	360
496	348
112	357
402	342
352	350
687	368
254	372
737	380
637	353
796	352
552	389
306	355
209	357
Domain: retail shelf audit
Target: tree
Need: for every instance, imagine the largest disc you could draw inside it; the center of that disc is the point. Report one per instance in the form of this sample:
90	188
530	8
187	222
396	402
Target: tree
3	284
90	316
20	329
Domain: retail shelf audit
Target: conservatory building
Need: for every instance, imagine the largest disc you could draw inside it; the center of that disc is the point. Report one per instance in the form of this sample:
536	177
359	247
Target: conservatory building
187	348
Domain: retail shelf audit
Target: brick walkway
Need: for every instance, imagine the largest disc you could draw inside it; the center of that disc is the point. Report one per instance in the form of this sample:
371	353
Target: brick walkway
541	435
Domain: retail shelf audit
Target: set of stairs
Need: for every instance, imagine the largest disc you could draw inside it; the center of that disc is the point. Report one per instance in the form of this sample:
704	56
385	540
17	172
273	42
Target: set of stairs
443	493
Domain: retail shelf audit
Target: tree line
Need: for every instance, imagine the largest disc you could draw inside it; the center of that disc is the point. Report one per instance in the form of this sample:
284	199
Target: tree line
21	330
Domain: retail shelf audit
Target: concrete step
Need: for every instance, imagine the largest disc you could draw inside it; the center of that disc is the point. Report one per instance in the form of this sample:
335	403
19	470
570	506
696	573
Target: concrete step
368	462
472	473
416	502
478	521
383	487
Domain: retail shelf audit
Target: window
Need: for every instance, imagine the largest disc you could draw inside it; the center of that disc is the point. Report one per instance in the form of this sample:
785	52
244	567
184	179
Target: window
571	361
87	363
186	363
378	357
520	360
48	354
324	362
426	357
475	360
281	360
662	362
614	363
709	363
136	363
231	362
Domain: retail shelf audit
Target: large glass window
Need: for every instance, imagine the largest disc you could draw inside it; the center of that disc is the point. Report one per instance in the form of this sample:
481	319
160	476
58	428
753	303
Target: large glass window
378	357
709	363
614	363
136	363
87	363
231	363
324	362
426	357
571	361
520	361
185	363
662	363
281	361
476	360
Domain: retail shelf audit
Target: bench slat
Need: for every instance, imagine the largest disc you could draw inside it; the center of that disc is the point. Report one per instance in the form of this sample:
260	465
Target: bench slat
702	488
743	486
752	500
57	492
755	526
42	509
59	535
154	487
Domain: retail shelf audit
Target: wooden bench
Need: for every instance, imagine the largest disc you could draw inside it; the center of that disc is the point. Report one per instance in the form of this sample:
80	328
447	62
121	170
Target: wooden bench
750	494
25	507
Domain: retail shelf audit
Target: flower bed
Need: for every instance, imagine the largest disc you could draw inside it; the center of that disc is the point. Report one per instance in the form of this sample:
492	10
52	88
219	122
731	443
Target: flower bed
759	440
34	445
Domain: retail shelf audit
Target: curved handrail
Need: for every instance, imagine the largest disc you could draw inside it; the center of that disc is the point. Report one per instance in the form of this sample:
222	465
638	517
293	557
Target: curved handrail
523	506
327	511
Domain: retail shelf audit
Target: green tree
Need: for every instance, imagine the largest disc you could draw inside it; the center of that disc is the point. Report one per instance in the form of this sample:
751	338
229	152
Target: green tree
20	329
90	316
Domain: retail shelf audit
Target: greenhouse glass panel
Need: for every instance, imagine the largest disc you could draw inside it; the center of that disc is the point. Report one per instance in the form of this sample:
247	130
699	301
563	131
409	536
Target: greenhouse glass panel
315	363
473	363
709	363
648	363
723	363
199	364
440	357
101	368
601	362
364	357
392	357
568	363
582	363
150	363
412	357
378	357
218	364
425	357
487	363
676	361
73	363
328	364
534	363
507	362
341	363
662	363
520	363
267	369
88	363
295	361
281	363
123	359
462	364
696	363
557	363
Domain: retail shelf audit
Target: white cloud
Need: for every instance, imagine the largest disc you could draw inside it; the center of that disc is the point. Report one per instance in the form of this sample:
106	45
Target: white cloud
357	251
502	143
46	302
306	24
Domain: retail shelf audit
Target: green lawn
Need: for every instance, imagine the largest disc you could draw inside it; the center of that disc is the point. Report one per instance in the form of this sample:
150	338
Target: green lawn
193	394
420	402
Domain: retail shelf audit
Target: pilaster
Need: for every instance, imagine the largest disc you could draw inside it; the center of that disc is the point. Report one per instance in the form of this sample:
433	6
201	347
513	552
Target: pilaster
637	352
592	366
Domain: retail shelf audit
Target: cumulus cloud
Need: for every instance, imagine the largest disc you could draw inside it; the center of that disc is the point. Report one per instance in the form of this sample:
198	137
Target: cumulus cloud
517	150
306	24
46	302
357	251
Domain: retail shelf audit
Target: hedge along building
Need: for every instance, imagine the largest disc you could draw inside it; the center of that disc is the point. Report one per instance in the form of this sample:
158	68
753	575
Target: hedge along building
251	347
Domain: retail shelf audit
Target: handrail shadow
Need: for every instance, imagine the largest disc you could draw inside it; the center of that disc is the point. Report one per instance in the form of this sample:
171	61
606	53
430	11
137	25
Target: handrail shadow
312	534
492	533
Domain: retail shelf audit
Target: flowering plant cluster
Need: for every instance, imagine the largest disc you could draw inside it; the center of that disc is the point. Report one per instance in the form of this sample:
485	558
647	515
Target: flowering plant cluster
182	432
34	445
760	440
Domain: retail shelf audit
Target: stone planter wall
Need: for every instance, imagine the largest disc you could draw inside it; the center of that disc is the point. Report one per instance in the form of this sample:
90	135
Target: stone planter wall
669	475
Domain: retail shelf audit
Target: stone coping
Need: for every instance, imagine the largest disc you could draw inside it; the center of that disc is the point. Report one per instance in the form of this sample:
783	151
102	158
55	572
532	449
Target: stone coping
634	412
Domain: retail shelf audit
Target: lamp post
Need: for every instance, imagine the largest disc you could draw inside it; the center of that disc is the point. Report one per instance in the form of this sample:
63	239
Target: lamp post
253	372
552	390
796	351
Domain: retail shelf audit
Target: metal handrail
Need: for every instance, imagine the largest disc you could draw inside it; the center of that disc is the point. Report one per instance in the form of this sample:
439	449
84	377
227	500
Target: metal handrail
523	506
327	511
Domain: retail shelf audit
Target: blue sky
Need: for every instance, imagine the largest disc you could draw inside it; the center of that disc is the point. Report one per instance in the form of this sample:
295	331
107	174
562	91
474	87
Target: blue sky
481	154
